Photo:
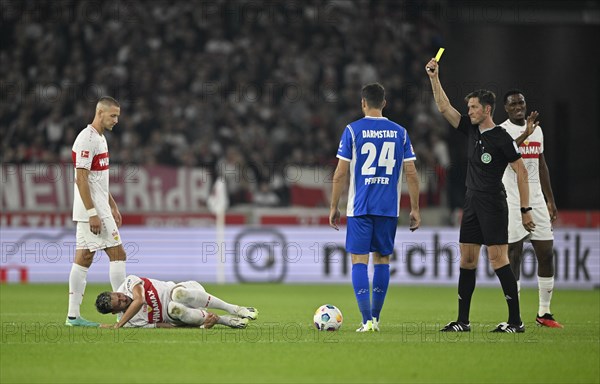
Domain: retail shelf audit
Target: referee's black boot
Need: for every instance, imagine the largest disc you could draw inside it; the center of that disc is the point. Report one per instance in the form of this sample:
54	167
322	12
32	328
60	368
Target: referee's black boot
456	326
509	328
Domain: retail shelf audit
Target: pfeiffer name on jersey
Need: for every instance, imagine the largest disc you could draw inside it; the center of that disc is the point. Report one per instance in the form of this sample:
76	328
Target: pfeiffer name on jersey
377	180
384	134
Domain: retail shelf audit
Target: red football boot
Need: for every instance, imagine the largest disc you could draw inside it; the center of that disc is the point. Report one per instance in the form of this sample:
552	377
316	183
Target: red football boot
547	321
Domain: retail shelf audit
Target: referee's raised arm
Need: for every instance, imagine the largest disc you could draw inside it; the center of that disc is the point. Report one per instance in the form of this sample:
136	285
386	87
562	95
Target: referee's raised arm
441	100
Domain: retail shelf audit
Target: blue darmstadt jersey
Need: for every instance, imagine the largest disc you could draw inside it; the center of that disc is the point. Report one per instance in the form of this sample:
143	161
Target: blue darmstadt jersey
376	149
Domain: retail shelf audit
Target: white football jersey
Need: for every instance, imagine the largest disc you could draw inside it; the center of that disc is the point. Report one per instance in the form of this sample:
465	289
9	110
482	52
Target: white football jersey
90	151
157	295
530	150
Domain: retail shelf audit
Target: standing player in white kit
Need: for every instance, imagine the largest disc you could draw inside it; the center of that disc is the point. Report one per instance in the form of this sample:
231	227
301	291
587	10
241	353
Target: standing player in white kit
94	209
530	139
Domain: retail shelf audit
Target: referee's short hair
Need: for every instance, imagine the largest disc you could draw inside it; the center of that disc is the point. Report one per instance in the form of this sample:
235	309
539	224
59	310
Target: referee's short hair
485	96
374	95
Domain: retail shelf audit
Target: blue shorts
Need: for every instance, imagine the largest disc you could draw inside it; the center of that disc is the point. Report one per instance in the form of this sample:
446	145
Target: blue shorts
370	233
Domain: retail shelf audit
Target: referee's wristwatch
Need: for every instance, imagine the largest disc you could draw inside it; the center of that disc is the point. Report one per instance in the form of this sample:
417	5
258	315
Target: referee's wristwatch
525	209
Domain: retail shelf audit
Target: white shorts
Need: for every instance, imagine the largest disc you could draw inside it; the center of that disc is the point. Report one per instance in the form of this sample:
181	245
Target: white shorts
186	284
108	237
541	218
190	284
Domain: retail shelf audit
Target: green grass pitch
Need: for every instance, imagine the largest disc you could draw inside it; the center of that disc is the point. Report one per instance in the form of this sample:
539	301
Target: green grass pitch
282	347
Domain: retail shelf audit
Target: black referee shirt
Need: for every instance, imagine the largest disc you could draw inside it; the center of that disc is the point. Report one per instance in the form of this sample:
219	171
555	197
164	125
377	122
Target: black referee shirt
489	153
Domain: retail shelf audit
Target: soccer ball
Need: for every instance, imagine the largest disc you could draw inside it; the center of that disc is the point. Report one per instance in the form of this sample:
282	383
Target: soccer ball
328	318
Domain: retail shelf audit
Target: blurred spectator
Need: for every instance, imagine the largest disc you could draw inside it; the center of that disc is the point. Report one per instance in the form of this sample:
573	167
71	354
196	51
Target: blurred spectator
239	177
265	196
273	82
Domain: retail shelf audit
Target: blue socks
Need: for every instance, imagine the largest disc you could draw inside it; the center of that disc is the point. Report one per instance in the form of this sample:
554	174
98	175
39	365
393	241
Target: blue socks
360	282
381	280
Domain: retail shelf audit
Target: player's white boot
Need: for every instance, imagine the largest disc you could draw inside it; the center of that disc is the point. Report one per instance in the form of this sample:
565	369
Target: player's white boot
246	313
233	322
366	327
375	325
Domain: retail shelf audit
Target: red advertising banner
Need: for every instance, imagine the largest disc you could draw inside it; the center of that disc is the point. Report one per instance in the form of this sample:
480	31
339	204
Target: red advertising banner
136	189
41	195
64	219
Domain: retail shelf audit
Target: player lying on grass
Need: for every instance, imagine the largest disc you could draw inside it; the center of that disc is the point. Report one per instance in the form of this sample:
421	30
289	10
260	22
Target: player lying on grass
150	303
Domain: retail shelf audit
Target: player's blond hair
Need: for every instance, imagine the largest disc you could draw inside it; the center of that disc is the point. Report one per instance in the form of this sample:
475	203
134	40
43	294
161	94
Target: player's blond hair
106	101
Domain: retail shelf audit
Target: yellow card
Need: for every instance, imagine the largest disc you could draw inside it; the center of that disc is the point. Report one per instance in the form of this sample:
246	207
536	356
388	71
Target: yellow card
439	54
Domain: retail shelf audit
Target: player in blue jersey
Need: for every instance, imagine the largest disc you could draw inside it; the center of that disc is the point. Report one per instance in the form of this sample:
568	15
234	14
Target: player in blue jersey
372	153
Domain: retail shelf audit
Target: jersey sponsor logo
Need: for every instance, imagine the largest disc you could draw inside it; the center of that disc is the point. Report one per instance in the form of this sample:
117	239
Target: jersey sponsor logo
153	301
531	150
100	162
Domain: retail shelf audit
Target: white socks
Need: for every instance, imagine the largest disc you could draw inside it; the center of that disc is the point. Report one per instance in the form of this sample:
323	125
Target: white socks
77	282
546	286
185	314
227	320
197	298
194	316
116	271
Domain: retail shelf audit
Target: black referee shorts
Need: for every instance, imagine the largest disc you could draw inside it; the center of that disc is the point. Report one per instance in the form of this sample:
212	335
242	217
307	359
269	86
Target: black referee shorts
485	218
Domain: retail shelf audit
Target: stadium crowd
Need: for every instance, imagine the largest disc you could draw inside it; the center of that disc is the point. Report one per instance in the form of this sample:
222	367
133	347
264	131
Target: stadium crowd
251	85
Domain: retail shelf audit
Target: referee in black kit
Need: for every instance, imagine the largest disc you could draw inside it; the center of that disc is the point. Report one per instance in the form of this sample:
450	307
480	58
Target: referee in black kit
485	213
